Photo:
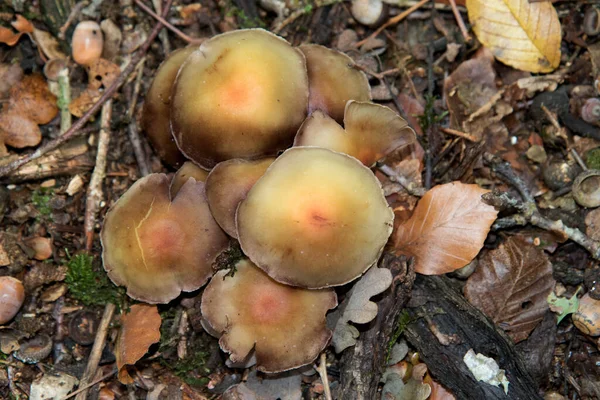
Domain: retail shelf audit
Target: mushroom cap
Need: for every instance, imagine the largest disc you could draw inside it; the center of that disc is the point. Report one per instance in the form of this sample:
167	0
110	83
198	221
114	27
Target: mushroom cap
151	244
333	80
186	171
228	184
242	94
284	325
316	218
87	42
371	132
156	116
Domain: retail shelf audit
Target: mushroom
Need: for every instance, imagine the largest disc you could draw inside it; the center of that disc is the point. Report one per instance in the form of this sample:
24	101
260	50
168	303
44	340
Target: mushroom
87	42
188	170
333	80
12	295
242	94
586	188
284	325
156	114
371	132
369	12
227	184
151	243
316	218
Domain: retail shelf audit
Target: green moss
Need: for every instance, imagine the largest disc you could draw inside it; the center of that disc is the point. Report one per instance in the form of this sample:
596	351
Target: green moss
429	117
592	158
403	321
41	201
90	286
244	21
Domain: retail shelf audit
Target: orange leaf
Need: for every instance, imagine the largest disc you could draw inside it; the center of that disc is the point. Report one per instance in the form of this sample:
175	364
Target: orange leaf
139	330
8	36
447	229
521	34
511	285
22	24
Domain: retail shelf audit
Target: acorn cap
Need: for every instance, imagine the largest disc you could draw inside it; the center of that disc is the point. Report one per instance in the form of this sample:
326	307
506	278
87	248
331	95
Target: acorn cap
305	225
228	184
284	325
242	94
151	243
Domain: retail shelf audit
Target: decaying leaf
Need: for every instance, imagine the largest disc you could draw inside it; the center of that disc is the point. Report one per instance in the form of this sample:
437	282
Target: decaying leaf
32	98
10	75
485	369
284	386
520	33
101	74
447	228
438	392
139	330
394	387
563	306
357	307
511	286
18	131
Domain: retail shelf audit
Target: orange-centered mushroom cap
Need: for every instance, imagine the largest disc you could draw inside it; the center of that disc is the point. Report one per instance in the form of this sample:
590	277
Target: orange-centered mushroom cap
242	94
333	80
371	132
316	218
156	117
284	325
227	184
157	247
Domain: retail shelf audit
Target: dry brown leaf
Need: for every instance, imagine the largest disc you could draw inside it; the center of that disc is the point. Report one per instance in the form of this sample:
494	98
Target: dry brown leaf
438	392
32	99
21	24
48	44
84	102
521	34
139	330
10	75
511	285
102	73
447	229
18	131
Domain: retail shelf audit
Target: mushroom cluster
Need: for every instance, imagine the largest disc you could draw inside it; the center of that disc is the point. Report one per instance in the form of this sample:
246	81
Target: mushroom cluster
279	142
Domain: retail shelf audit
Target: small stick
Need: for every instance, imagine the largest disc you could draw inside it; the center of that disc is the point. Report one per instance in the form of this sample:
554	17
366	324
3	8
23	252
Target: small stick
393	21
163	35
76	127
579	160
166	23
134	136
460	21
94	192
322	370
75	11
300	12
91	384
410	186
94	359
64	91
463	135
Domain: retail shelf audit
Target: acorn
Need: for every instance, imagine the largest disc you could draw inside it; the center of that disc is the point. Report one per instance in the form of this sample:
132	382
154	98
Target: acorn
12	295
587	317
586	188
87	43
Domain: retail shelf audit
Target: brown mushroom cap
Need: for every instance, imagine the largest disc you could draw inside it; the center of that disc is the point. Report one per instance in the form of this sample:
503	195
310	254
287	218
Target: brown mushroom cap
242	94
227	184
157	247
333	80
284	325
157	114
316	218
371	132
186	171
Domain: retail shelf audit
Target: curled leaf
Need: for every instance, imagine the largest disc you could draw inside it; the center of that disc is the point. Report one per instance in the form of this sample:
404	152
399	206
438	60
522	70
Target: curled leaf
485	369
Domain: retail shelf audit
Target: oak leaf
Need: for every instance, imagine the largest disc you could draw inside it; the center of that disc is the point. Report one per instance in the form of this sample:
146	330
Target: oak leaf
511	286
447	228
139	330
522	34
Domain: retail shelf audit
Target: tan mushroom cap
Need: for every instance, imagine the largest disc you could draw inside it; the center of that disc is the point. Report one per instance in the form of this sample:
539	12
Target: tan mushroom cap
371	132
156	247
284	325
156	117
228	184
242	94
186	171
333	80
316	218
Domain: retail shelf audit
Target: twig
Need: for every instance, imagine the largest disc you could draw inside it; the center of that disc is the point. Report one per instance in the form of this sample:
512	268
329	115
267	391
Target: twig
94	359
163	35
72	16
134	137
300	12
463	135
460	22
392	21
322	370
91	384
579	160
167	24
94	192
410	186
75	128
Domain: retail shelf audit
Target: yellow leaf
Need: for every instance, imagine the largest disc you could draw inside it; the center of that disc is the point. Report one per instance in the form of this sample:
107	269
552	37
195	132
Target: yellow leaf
521	34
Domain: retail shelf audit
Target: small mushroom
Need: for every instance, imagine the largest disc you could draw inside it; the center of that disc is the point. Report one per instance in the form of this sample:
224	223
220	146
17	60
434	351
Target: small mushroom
188	170
35	350
371	132
284	325
333	80
242	94
228	184
83	327
87	43
587	317
12	295
590	112
316	218
586	188
369	12
558	173
156	115
591	21
41	247
151	243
